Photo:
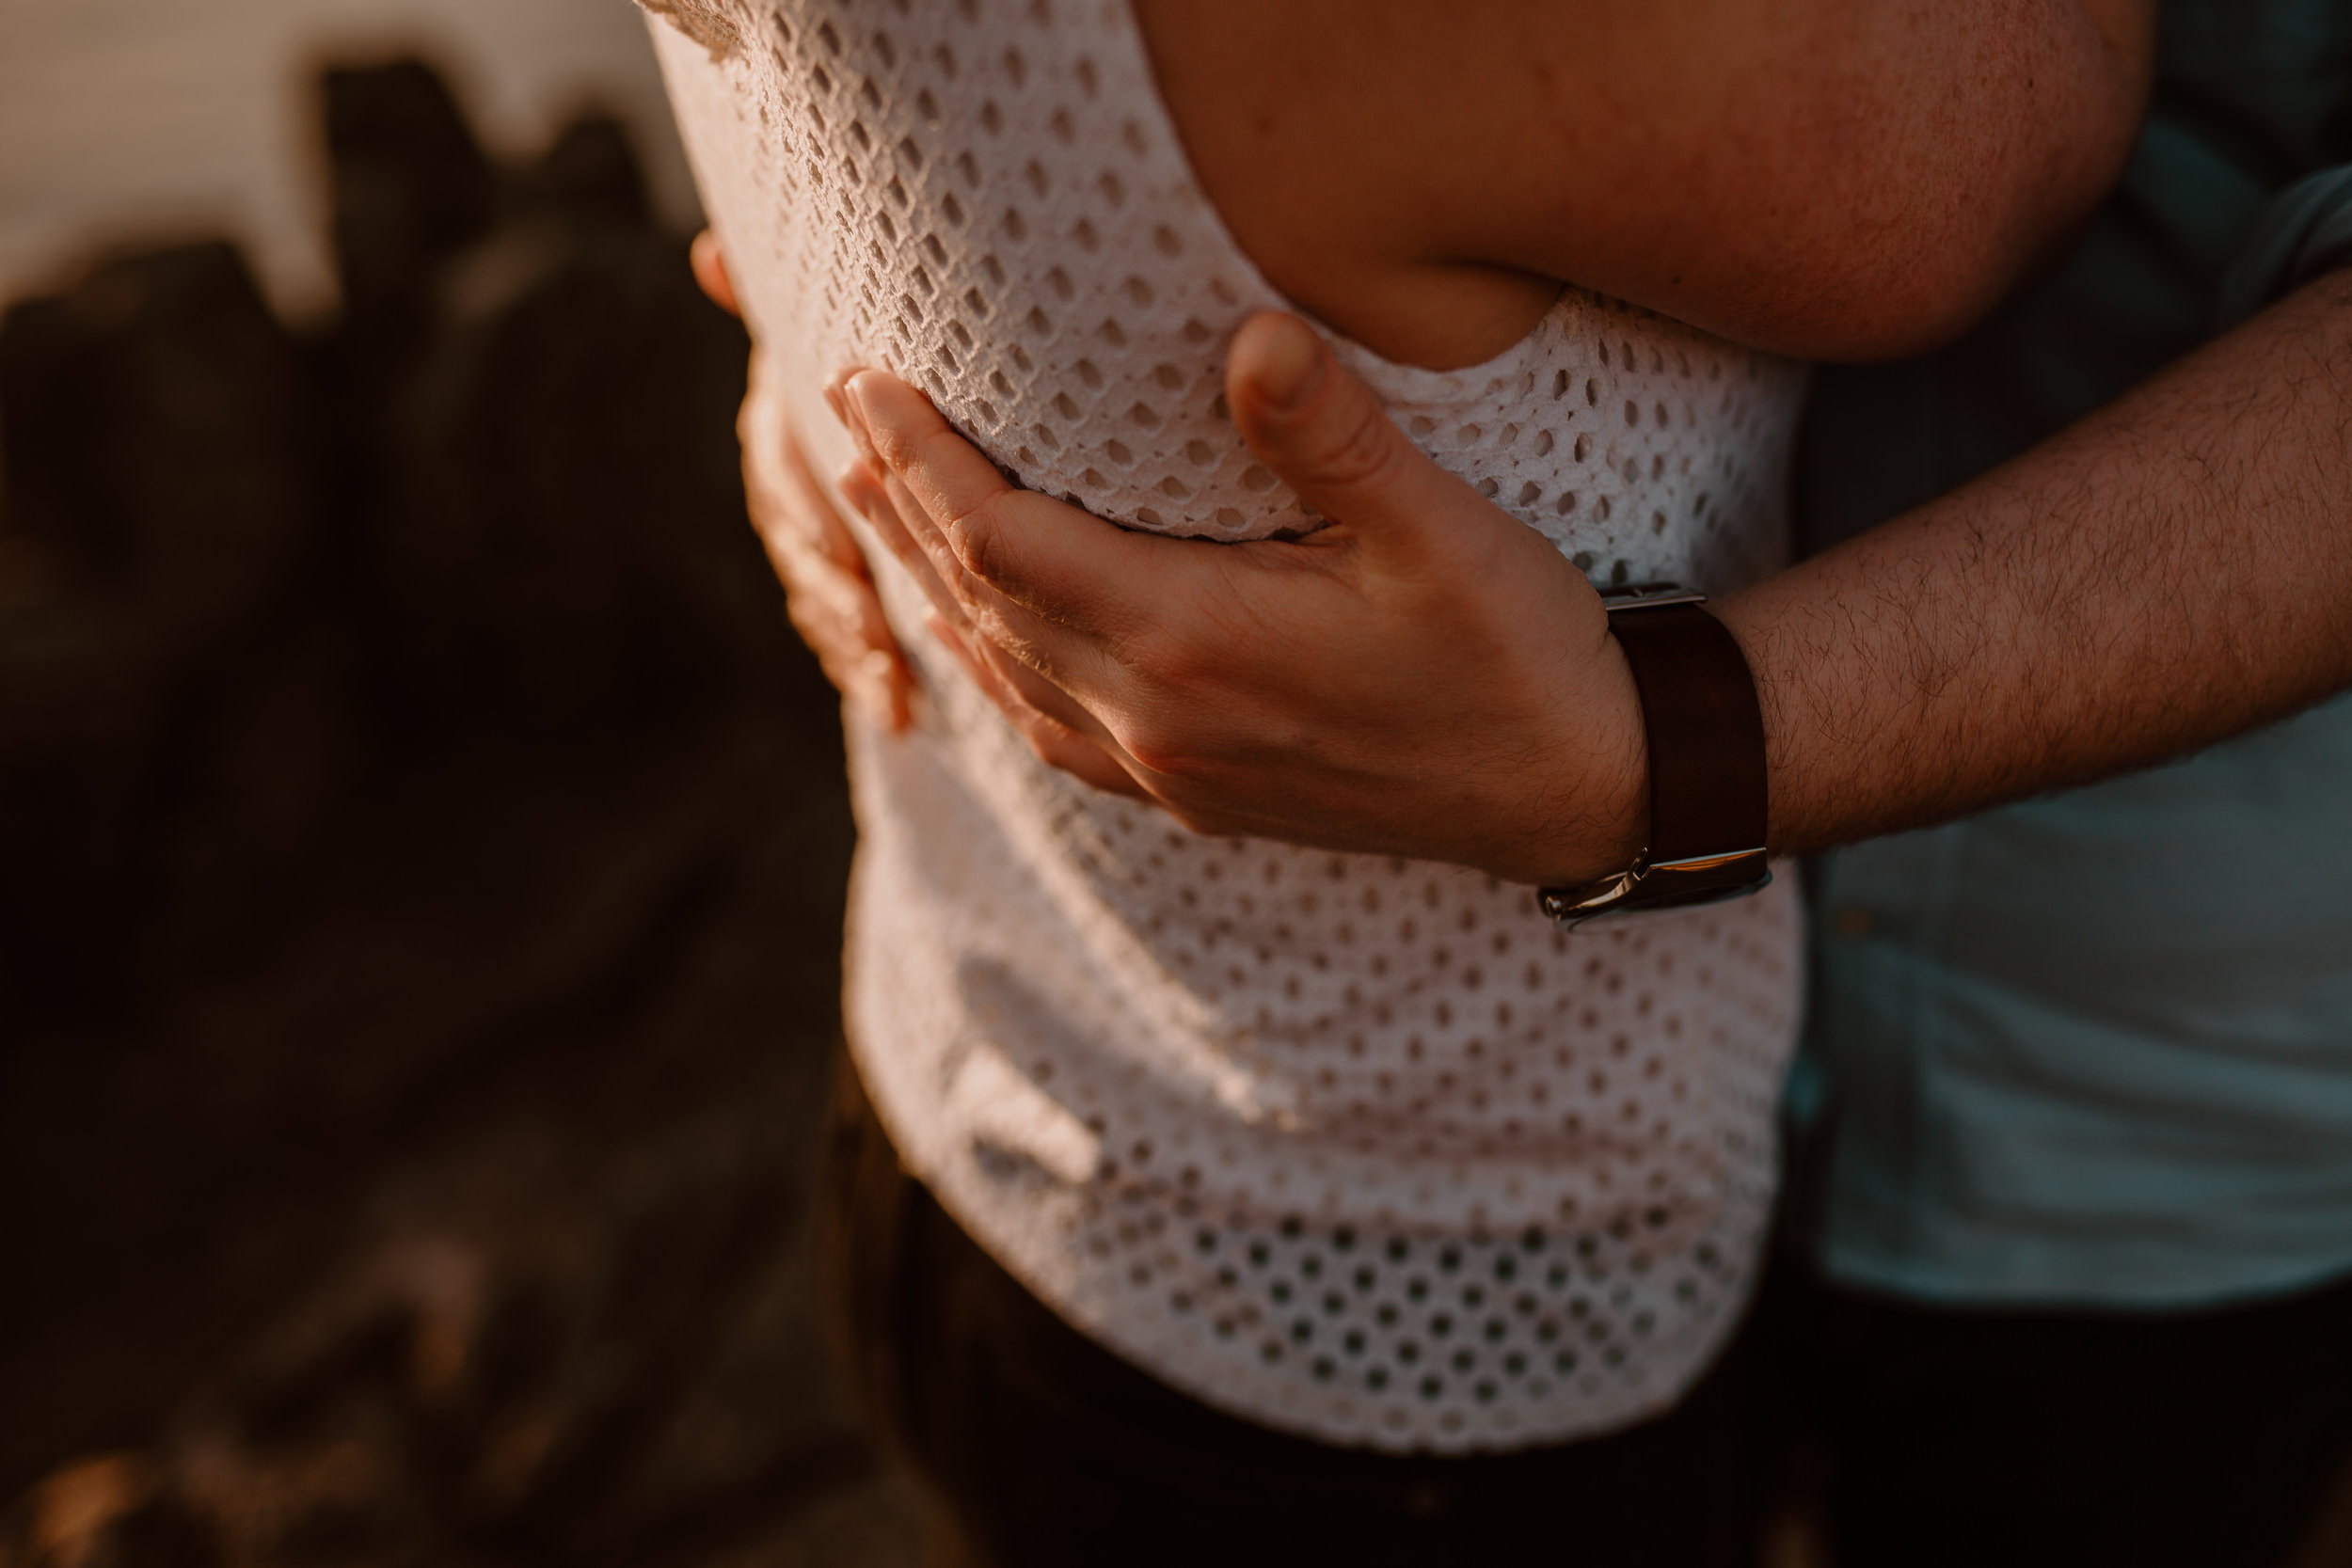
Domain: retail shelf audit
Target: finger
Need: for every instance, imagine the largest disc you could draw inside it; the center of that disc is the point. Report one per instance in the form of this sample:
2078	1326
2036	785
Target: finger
828	593
1040	693
1006	625
1056	559
976	627
896	515
710	271
979	623
884	687
1321	430
861	485
887	503
874	681
809	511
840	617
1057	744
788	507
867	488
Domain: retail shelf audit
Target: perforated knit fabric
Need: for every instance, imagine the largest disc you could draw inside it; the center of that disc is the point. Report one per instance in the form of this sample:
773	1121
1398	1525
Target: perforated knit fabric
1359	1148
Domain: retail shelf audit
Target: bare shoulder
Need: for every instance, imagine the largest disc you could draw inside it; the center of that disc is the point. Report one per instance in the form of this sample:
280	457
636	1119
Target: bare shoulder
1833	178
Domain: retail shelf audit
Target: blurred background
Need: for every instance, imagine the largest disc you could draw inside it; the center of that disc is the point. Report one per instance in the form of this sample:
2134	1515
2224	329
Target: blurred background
422	839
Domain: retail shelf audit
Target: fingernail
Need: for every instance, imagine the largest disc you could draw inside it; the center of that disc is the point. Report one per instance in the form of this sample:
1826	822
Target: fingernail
854	417
835	401
1290	364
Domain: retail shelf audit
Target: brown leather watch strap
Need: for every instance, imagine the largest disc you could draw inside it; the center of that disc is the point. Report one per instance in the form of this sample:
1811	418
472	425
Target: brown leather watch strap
1707	781
1708	801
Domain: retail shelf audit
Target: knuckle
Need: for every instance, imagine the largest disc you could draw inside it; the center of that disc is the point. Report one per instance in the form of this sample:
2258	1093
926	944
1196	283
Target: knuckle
1360	450
758	419
812	585
978	538
907	441
977	598
1052	741
1161	749
835	652
897	447
1170	660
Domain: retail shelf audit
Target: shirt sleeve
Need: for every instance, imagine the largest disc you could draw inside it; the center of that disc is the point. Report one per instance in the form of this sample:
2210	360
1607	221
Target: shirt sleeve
2306	229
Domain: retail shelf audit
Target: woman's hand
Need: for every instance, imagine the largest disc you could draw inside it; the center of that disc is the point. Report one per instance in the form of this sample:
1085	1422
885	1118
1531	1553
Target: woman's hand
828	591
1425	676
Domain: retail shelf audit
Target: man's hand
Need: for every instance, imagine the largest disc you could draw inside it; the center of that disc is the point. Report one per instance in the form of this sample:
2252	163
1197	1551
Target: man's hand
828	591
1426	676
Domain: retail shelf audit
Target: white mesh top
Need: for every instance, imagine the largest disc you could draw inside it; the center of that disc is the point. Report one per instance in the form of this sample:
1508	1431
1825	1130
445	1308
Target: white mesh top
1362	1149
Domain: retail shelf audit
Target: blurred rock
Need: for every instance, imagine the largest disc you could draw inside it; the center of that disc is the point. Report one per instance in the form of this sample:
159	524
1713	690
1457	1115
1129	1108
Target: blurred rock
157	440
109	1511
411	186
159	454
422	853
564	531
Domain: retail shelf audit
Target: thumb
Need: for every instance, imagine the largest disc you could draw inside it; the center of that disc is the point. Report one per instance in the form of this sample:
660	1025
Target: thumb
1319	429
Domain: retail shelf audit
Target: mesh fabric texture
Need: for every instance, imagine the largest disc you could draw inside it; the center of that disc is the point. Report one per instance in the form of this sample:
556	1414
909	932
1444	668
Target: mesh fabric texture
1358	1147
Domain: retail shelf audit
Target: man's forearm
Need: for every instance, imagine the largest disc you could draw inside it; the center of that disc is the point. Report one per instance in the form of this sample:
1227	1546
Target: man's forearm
1426	676
2174	570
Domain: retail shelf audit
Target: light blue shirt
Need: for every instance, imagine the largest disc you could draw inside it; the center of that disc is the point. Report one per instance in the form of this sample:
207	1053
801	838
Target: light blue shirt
2096	1049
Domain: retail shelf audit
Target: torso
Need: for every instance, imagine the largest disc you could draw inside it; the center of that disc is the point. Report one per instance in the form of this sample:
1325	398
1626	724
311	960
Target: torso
1358	1147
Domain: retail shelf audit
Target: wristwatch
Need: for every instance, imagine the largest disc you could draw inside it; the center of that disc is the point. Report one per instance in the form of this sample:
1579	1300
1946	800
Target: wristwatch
1707	783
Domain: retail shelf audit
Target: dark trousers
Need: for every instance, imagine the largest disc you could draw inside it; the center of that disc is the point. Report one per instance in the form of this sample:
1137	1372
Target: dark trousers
1051	1451
1955	1439
2067	1440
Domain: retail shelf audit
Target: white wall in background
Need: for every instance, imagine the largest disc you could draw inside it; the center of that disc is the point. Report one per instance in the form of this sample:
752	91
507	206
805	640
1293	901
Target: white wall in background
131	119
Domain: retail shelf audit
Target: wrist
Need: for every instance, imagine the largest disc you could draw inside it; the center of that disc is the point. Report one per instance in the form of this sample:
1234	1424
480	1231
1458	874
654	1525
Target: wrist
1593	788
1703	740
1748	615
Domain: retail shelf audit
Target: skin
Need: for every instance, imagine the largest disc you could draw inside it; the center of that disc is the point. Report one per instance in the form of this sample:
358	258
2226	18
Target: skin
1371	628
1826	178
828	590
1427	679
1849	180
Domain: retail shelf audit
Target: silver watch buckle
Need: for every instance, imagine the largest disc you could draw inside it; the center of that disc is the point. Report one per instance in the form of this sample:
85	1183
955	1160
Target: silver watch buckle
1647	595
1683	884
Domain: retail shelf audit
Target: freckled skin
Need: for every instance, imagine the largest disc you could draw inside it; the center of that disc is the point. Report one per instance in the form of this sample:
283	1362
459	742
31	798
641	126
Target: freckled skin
1830	179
